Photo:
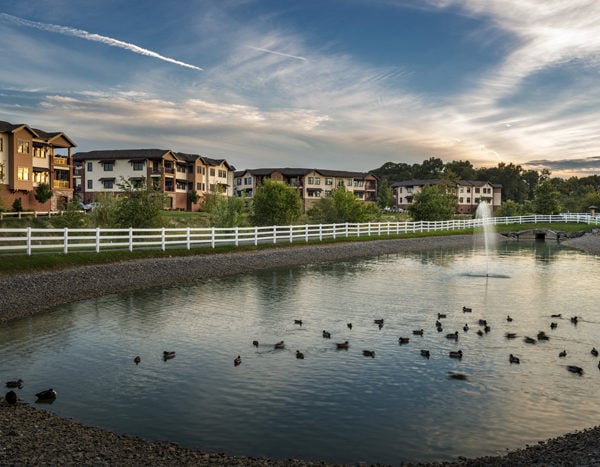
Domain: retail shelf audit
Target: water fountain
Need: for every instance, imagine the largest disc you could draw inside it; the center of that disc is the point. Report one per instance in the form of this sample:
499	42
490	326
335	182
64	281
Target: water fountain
484	214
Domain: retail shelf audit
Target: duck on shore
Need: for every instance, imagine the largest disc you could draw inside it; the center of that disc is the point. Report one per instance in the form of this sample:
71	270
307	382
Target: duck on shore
15	384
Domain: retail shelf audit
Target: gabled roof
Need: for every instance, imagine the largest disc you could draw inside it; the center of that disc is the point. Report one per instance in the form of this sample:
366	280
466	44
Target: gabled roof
416	182
7	127
49	137
122	154
298	172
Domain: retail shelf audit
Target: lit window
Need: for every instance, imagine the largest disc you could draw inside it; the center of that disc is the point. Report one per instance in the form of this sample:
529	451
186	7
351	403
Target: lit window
23	147
23	173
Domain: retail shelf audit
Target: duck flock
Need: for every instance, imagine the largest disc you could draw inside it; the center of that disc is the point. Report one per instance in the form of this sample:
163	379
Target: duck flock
480	327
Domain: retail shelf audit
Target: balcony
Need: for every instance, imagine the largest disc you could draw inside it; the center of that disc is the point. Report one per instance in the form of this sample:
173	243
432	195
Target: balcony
60	161
60	184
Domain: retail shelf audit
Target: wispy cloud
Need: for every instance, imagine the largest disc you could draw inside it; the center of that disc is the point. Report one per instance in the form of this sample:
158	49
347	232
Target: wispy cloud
95	38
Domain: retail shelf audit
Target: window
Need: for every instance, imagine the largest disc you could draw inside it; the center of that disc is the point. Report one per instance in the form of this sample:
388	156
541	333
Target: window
40	177
314	180
198	186
477	200
90	166
41	153
238	181
212	172
199	169
108	184
1	144
340	182
138	165
108	166
23	173
90	184
477	190
248	181
461	200
468	190
223	173
329	181
409	189
23	146
349	182
212	186
468	200
359	182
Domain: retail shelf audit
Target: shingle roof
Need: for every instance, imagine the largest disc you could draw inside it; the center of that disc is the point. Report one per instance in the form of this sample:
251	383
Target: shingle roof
121	154
299	171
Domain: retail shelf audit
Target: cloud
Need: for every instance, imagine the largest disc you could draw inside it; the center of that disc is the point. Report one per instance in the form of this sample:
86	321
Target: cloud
95	38
260	49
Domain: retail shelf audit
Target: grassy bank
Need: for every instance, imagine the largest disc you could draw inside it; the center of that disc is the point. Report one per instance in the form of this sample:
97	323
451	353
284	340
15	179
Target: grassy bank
15	264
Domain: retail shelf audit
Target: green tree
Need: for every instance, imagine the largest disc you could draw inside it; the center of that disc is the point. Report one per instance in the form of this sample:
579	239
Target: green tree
227	212
340	206
546	199
509	208
276	203
17	205
72	217
433	203
43	193
138	205
463	170
430	168
385	197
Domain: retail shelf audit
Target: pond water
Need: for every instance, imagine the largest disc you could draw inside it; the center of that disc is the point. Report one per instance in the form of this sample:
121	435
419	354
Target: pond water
334	405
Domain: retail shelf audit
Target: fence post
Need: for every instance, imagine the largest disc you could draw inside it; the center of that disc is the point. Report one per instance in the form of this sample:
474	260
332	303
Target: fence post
188	240
306	232
274	234
66	241
237	241
255	235
212	239
291	234
97	239
130	238
162	239
28	241
320	232
334	230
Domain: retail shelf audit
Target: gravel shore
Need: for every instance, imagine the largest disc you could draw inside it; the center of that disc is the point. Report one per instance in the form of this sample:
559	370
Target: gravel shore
29	436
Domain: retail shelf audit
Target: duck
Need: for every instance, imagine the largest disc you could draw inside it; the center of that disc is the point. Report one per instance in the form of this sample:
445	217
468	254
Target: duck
326	335
575	369
438	324
594	352
279	345
425	353
559	315
441	315
553	325
380	325
10	397
510	335
459	376
452	335
255	343
456	354
137	360
509	319
479	332
439	328
529	340
299	355
237	361
574	319
342	345
378	321
487	328
298	321
418	332
466	327
369	353
467	309
542	336
403	340
15	384
562	354
513	359
46	396
482	322
167	355
349	325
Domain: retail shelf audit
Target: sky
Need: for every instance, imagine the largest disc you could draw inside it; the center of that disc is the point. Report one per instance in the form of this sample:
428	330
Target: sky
330	84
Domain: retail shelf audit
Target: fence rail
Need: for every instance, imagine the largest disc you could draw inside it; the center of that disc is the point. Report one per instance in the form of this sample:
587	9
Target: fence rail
29	240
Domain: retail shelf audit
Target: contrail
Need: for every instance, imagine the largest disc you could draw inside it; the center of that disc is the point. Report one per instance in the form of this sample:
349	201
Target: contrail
278	53
96	38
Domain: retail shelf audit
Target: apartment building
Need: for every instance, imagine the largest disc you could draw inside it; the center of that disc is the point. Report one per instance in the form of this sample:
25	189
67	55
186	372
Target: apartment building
29	157
176	174
469	193
311	184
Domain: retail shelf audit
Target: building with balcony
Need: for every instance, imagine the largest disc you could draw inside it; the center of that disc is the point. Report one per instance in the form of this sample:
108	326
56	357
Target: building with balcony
311	184
177	175
30	157
469	193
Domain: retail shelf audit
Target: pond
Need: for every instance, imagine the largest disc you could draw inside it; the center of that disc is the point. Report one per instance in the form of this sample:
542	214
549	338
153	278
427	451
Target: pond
335	405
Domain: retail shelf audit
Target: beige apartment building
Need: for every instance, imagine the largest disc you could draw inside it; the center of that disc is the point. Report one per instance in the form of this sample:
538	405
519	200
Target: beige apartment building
469	193
30	157
311	184
178	175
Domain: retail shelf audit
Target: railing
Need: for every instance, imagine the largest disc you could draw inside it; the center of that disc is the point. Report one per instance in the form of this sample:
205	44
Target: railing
60	184
28	240
21	214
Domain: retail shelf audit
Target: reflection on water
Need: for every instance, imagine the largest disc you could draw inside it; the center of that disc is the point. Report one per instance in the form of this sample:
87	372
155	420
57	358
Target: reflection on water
334	405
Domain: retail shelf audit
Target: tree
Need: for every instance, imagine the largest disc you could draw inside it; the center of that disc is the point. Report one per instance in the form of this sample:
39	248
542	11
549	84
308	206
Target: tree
509	208
17	205
276	203
433	203
340	206
431	168
227	212
546	200
43	193
385	197
138	206
464	170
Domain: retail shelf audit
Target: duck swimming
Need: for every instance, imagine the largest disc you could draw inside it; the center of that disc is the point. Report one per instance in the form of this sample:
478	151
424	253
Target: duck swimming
563	354
542	336
237	361
349	325
369	353
452	335
298	321
342	345
467	309
378	321
513	359
279	345
46	396
508	318
403	340
418	332
553	325
425	353
299	355
168	355
15	384
575	369
255	343
510	335
466	327
326	335
529	340
594	352
456	354
137	360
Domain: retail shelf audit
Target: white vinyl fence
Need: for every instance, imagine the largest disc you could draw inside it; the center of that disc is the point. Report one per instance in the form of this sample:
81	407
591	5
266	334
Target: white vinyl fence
29	240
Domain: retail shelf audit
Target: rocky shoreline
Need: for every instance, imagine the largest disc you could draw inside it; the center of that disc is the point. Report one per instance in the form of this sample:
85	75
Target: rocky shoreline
29	436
